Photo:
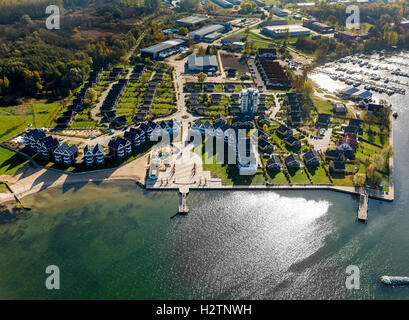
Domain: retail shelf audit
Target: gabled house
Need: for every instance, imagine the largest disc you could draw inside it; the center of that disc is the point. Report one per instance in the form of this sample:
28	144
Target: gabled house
293	142
47	145
357	123
66	154
323	120
284	131
337	166
147	130
94	156
375	109
295	118
274	163
32	137
134	136
110	115
348	143
120	121
265	146
119	147
64	121
196	126
334	154
292	161
311	158
339	107
216	98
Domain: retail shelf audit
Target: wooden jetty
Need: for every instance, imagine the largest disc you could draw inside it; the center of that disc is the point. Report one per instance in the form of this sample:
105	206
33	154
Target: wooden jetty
363	207
183	208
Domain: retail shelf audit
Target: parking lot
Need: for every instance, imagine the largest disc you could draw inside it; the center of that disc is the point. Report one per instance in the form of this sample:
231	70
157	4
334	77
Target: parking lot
322	142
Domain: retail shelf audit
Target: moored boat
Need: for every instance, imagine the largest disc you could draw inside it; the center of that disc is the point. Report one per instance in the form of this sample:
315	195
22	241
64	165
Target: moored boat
395	281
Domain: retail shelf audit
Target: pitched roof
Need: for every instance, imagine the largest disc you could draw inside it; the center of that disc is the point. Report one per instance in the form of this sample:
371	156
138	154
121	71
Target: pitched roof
36	134
310	155
49	142
291	158
339	165
97	148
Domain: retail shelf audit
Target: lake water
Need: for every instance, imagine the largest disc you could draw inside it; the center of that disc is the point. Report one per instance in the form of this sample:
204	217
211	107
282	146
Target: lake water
117	241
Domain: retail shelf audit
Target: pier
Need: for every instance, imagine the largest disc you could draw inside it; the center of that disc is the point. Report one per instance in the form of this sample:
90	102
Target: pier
363	207
183	208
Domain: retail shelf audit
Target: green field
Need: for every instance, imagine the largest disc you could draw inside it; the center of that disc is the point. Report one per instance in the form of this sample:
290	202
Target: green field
14	120
10	162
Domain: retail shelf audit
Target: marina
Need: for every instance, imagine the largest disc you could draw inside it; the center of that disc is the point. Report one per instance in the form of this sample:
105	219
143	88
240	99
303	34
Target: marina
375	72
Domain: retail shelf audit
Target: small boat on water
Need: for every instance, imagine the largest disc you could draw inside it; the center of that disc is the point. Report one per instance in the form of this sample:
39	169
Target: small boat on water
395	281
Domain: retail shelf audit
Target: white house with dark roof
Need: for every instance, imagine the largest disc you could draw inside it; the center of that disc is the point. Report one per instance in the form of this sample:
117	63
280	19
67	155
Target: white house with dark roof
274	163
94	156
32	137
119	147
47	145
292	161
66	154
311	158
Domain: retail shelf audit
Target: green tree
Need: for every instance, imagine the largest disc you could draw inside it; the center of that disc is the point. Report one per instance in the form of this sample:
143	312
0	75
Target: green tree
90	96
377	159
201	77
359	179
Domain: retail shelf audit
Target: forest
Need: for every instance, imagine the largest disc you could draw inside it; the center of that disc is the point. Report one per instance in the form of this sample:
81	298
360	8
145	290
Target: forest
36	62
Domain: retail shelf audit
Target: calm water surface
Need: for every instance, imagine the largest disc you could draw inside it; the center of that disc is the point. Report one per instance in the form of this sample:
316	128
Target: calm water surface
117	241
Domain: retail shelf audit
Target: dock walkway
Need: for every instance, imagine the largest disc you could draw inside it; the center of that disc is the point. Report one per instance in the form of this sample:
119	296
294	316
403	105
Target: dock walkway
183	208
363	207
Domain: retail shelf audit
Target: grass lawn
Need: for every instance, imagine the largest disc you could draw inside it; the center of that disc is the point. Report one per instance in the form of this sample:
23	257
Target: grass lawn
229	174
276	177
328	96
318	175
324	106
10	126
298	176
10	162
16	119
343	180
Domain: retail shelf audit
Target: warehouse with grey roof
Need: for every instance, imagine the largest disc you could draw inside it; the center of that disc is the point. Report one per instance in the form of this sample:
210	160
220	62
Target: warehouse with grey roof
191	21
198	63
200	34
163	49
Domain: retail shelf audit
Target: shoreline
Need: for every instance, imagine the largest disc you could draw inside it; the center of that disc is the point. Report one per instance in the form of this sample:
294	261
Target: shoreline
22	192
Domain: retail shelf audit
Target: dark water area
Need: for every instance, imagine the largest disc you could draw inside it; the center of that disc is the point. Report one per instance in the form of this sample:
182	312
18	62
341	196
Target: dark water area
117	241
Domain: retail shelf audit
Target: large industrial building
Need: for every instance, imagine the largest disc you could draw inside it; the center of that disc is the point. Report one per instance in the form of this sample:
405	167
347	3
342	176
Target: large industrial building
201	34
163	49
197	63
317	26
280	31
192	21
223	3
279	12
